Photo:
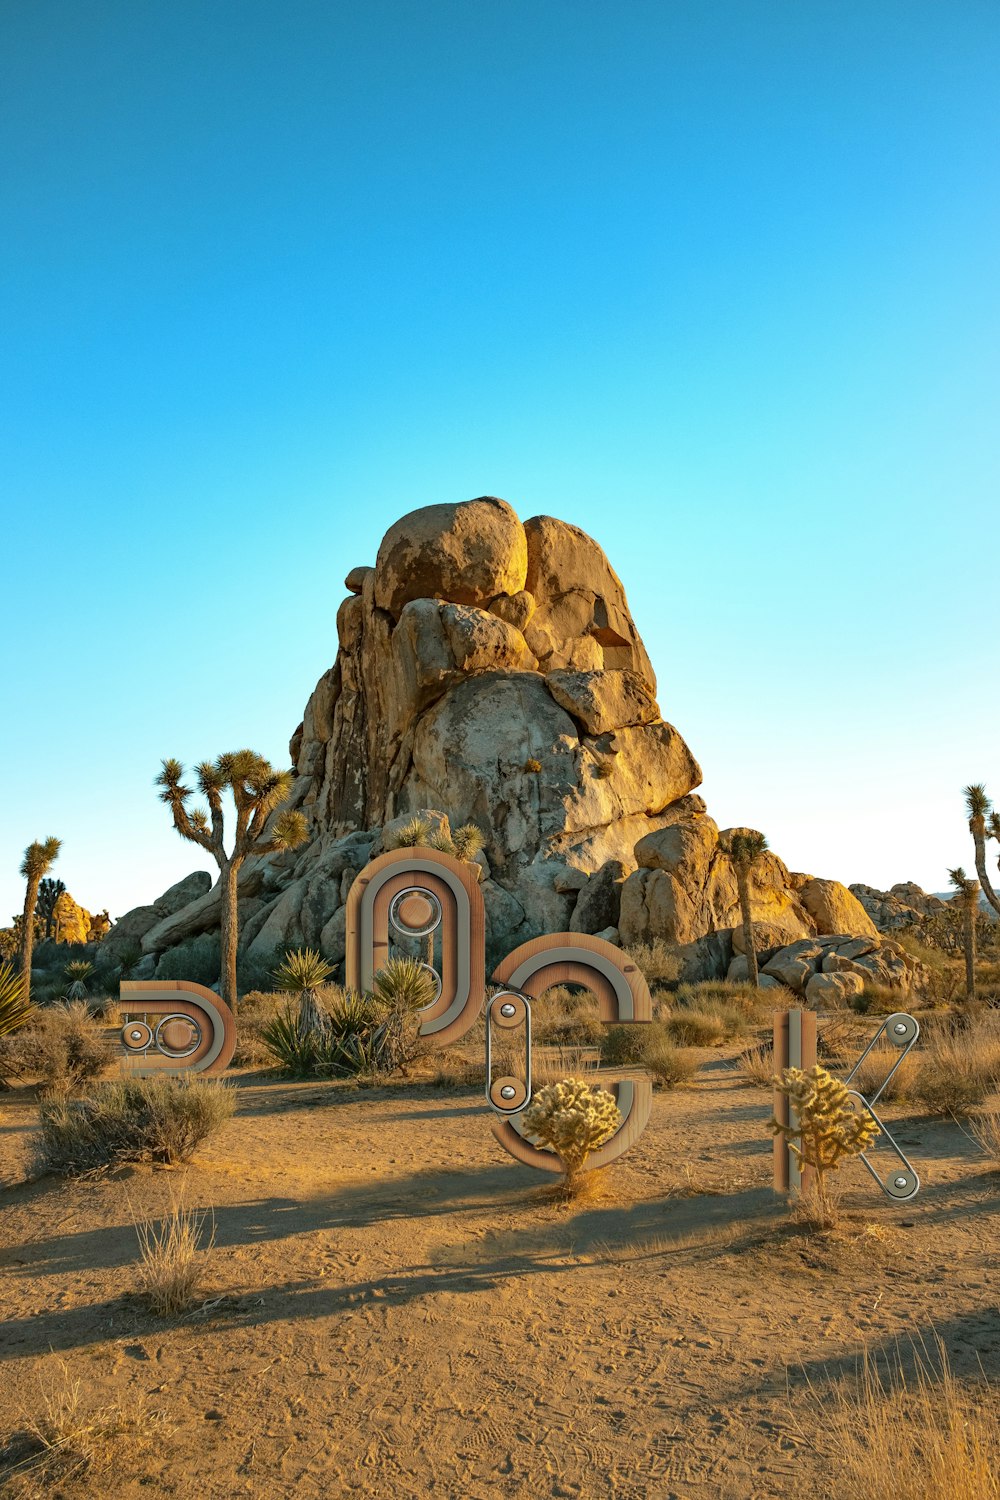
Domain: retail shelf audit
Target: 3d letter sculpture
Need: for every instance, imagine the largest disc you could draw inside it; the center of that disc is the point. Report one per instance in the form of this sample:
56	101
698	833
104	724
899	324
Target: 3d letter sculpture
795	1047
428	894
173	1026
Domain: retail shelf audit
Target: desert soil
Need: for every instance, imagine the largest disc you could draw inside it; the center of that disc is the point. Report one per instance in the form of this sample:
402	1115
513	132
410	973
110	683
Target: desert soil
395	1308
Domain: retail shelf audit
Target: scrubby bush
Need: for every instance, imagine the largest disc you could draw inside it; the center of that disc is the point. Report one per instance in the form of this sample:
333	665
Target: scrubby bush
63	1047
257	1010
131	1119
356	1036
958	1072
198	959
572	1119
669	1065
657	961
756	1066
626	1046
696	1028
745	1000
567	1017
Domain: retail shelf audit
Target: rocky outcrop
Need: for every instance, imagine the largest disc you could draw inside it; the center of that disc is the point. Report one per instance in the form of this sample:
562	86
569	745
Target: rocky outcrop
830	969
905	905
491	672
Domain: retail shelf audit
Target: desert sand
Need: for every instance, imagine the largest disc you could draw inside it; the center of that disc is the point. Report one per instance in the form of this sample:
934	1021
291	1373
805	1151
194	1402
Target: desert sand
395	1308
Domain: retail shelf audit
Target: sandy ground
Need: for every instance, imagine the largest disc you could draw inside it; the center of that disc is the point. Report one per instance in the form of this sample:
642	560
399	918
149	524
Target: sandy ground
395	1308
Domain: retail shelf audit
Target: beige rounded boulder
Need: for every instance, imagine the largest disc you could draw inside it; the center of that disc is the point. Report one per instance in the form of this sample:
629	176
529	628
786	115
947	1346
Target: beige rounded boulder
466	554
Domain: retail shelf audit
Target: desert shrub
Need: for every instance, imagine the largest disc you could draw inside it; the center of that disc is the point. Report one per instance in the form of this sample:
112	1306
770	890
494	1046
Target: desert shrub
745	1000
567	1017
958	1072
131	1119
626	1046
696	1028
198	959
828	1132
356	1036
657	961
532	766
877	1000
875	1068
604	770
257	1009
571	1031
669	1065
77	976
572	1119
405	984
171	1259
414	833
63	1047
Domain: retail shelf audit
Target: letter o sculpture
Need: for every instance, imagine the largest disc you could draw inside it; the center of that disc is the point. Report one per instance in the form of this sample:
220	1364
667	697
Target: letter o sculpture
623	996
175	1026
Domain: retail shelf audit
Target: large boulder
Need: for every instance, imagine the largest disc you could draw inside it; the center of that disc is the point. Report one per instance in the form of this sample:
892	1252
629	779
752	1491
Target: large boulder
466	553
491	672
834	909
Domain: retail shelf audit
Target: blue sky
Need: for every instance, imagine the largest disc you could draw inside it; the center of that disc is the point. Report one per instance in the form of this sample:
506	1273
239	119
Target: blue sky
716	282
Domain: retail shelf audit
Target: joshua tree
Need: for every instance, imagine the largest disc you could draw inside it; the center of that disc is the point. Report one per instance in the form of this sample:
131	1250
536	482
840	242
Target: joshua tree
38	860
745	849
48	896
257	790
969	892
980	809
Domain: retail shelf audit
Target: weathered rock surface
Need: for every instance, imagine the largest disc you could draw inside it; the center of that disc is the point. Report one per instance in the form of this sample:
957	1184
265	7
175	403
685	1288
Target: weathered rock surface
905	905
491	672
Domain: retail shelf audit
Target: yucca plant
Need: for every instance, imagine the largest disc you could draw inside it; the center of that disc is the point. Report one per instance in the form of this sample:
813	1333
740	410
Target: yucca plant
78	972
14	1008
301	974
404	983
413	834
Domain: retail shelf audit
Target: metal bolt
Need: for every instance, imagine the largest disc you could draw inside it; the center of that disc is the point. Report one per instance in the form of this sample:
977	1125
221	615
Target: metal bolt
900	1182
508	1091
900	1028
507	1009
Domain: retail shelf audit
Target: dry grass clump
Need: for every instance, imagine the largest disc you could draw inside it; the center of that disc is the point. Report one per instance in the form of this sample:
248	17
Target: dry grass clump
70	1440
986	1131
958	1072
171	1258
669	1065
62	1046
696	1028
258	1008
626	1046
563	1016
756	1066
657	961
952	1433
873	1071
131	1119
752	1004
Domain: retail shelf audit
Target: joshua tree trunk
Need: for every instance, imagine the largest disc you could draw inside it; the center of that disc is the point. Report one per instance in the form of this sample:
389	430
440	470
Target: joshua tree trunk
970	913
979	839
743	883
228	932
28	934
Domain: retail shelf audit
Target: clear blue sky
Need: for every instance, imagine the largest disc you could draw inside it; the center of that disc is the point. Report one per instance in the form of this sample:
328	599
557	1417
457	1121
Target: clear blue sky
716	282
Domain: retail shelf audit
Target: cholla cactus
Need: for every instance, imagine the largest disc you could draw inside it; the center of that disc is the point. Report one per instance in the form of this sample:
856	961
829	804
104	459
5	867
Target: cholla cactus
828	1131
574	1119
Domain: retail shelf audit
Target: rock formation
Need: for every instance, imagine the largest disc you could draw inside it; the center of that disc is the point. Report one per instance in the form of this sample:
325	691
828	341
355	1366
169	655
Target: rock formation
491	672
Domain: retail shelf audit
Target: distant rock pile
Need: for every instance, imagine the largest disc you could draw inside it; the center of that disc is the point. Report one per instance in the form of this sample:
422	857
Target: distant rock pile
490	671
905	905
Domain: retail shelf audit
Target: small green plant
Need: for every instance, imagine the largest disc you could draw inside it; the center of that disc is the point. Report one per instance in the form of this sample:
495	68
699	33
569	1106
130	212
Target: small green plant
78	973
828	1130
405	983
532	766
131	1119
572	1119
604	770
465	843
302	974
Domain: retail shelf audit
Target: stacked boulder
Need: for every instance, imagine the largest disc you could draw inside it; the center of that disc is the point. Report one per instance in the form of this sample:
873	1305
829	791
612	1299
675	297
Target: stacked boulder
489	671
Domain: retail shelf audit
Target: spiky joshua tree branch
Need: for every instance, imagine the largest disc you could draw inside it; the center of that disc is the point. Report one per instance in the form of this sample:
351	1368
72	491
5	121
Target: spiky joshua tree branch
257	791
984	824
